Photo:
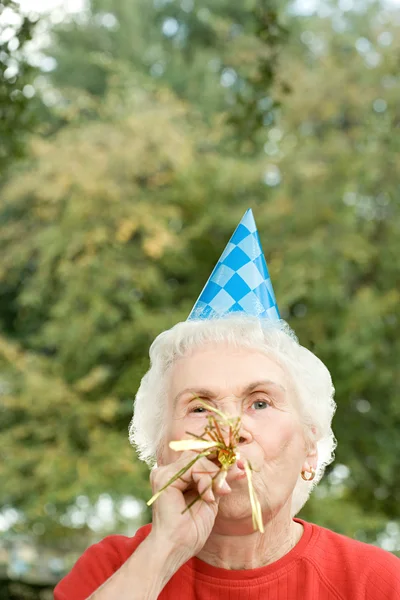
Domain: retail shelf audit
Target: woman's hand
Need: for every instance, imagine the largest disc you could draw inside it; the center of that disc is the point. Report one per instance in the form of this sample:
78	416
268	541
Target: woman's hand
186	533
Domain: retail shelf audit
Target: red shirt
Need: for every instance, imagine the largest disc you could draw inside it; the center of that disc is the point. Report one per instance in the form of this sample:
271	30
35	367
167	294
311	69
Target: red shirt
322	566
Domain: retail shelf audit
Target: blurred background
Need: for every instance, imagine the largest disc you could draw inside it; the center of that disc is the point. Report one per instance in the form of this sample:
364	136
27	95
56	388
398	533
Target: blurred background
133	136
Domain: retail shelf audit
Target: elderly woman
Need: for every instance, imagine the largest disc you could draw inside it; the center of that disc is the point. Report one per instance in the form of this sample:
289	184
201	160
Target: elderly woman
253	368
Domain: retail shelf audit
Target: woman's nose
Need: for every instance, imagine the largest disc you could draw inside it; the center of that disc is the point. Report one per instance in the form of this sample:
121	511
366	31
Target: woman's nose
245	436
231	406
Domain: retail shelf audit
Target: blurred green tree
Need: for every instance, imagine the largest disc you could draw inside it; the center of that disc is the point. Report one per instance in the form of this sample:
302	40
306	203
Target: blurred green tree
338	149
17	116
100	273
221	56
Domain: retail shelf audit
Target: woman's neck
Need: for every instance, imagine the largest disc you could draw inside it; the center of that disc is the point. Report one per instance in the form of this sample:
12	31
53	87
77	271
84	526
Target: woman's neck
253	550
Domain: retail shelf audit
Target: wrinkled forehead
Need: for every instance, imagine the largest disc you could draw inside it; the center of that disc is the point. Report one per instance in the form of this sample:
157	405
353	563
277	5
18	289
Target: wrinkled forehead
224	370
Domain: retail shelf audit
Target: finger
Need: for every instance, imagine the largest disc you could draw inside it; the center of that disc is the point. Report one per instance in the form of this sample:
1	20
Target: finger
221	486
179	474
174	473
204	486
201	466
205	478
203	473
204	465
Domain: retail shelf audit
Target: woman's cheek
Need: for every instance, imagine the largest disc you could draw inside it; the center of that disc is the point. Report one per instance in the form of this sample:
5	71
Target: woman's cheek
275	436
192	423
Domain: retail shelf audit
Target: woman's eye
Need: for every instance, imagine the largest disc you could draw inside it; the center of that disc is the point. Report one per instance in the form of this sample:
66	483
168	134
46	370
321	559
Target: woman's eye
198	409
260	404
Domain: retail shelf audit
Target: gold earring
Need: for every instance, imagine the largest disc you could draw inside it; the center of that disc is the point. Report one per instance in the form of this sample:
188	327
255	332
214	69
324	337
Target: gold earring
308	475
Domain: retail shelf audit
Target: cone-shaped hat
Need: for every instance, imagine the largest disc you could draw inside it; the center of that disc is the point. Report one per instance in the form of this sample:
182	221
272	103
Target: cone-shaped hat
240	281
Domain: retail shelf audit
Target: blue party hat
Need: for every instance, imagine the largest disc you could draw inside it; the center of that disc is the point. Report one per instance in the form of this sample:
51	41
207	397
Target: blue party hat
240	281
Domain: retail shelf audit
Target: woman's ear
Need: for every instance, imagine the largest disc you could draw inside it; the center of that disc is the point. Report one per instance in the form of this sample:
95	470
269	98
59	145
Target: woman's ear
311	460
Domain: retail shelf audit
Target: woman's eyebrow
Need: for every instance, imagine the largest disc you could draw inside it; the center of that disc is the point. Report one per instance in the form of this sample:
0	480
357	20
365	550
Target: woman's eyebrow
263	383
196	393
206	393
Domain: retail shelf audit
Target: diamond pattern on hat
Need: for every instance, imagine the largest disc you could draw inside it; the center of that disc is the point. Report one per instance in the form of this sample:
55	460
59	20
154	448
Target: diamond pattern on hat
209	292
251	304
240	281
251	275
237	287
222	302
222	275
248	221
262	266
227	251
236	259
251	246
241	233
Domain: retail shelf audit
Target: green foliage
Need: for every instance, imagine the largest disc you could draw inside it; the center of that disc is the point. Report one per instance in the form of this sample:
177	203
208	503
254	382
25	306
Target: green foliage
16	114
191	47
101	277
17	590
124	210
343	160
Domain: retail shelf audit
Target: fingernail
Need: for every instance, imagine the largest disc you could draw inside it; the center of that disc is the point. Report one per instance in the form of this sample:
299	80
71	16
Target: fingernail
225	486
222	485
220	479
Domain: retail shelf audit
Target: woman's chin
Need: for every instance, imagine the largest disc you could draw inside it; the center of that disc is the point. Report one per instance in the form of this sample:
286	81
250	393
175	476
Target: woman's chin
233	522
235	506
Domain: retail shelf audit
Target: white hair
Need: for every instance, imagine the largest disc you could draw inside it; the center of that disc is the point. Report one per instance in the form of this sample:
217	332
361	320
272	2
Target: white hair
310	378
